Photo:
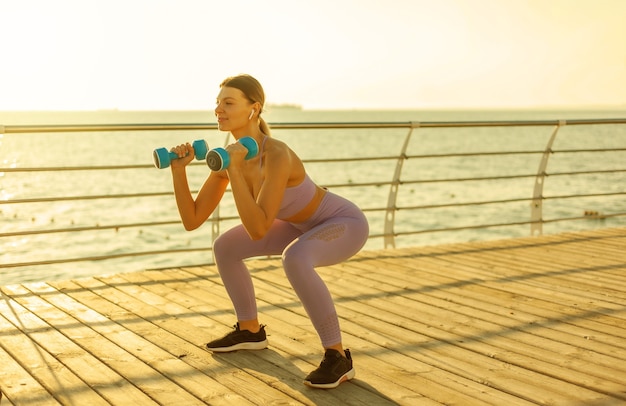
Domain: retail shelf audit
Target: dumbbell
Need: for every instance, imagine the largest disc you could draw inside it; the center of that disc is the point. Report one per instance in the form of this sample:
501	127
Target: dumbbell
162	157
218	159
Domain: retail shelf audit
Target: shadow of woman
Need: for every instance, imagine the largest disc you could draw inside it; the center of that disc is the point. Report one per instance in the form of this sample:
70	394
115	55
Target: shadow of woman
272	376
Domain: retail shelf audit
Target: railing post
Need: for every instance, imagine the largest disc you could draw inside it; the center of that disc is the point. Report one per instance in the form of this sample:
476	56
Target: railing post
536	208
215	224
390	212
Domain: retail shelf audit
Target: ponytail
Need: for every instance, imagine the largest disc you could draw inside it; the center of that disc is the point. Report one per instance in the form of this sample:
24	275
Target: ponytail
265	129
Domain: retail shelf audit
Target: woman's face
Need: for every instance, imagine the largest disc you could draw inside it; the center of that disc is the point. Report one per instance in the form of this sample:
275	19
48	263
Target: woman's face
232	109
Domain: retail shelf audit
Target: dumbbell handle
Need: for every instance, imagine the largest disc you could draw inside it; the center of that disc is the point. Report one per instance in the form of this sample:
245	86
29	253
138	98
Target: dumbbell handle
162	157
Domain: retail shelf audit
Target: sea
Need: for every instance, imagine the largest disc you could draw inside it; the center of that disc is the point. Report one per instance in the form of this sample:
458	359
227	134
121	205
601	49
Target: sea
426	187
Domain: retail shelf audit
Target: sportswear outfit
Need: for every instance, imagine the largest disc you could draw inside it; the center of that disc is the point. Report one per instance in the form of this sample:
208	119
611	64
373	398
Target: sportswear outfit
313	228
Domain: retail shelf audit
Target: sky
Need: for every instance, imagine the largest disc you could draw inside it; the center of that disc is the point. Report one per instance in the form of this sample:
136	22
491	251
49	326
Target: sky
320	54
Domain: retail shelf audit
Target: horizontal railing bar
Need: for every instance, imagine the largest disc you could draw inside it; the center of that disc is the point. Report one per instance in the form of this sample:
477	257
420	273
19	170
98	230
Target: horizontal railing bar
582	195
520	223
125	225
620	214
585	172
470	154
325	160
90	197
521	123
372	209
354	159
102	257
89	228
406	182
155	194
435	230
99	227
527	152
146	166
475	203
12	129
573	151
485	202
316	161
225	218
82	168
329	186
77	168
371	236
67	128
446	124
417	181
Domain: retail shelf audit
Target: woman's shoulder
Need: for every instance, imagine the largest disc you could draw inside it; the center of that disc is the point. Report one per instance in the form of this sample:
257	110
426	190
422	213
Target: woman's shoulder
272	143
278	148
279	156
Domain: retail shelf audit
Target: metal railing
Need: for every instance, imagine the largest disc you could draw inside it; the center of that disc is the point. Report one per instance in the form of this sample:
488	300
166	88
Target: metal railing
389	232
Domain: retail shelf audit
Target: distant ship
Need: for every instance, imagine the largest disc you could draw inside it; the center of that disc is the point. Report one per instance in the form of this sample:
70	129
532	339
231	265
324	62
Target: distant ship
291	106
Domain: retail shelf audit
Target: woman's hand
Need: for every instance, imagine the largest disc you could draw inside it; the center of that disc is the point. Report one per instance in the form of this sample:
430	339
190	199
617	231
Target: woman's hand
185	154
237	153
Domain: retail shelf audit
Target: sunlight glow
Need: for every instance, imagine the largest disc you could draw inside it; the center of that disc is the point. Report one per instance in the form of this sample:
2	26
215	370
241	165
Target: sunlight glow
167	54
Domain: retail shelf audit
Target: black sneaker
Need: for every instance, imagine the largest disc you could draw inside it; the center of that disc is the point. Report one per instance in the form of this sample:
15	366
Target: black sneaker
239	340
333	370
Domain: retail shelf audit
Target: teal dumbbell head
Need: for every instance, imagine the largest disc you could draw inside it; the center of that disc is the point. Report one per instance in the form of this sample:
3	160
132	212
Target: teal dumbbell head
162	157
218	159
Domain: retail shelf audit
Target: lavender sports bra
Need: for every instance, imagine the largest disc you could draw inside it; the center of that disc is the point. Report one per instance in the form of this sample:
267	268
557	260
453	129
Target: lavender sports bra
297	198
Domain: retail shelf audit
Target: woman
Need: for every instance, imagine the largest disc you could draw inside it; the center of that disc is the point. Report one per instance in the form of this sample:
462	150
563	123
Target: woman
282	212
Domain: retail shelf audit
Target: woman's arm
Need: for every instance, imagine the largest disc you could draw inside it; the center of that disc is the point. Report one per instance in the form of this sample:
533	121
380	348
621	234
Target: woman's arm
258	215
194	213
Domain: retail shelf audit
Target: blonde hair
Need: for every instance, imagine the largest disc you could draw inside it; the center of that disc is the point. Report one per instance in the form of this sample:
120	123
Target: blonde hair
253	91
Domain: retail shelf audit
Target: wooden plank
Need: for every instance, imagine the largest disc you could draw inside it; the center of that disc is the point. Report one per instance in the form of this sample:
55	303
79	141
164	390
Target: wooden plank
478	330
17	385
468	275
151	322
562	262
523	285
618	373
149	344
50	358
500	306
503	291
104	377
553	291
132	356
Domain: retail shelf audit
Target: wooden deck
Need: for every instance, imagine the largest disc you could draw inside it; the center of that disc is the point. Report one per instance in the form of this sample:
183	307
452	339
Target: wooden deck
513	322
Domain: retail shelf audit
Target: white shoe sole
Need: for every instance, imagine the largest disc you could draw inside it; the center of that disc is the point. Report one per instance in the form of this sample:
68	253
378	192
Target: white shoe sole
260	345
345	377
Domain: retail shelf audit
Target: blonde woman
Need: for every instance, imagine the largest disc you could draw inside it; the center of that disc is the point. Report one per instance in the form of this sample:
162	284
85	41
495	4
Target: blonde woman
282	212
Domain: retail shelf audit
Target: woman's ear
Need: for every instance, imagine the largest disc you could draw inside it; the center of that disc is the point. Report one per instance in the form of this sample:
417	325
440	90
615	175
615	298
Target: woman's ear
256	107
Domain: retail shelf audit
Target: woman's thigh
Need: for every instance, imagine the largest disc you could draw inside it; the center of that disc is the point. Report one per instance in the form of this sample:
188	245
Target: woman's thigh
236	241
330	242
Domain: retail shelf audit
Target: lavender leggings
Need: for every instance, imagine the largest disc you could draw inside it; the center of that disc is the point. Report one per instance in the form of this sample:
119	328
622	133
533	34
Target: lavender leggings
336	231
